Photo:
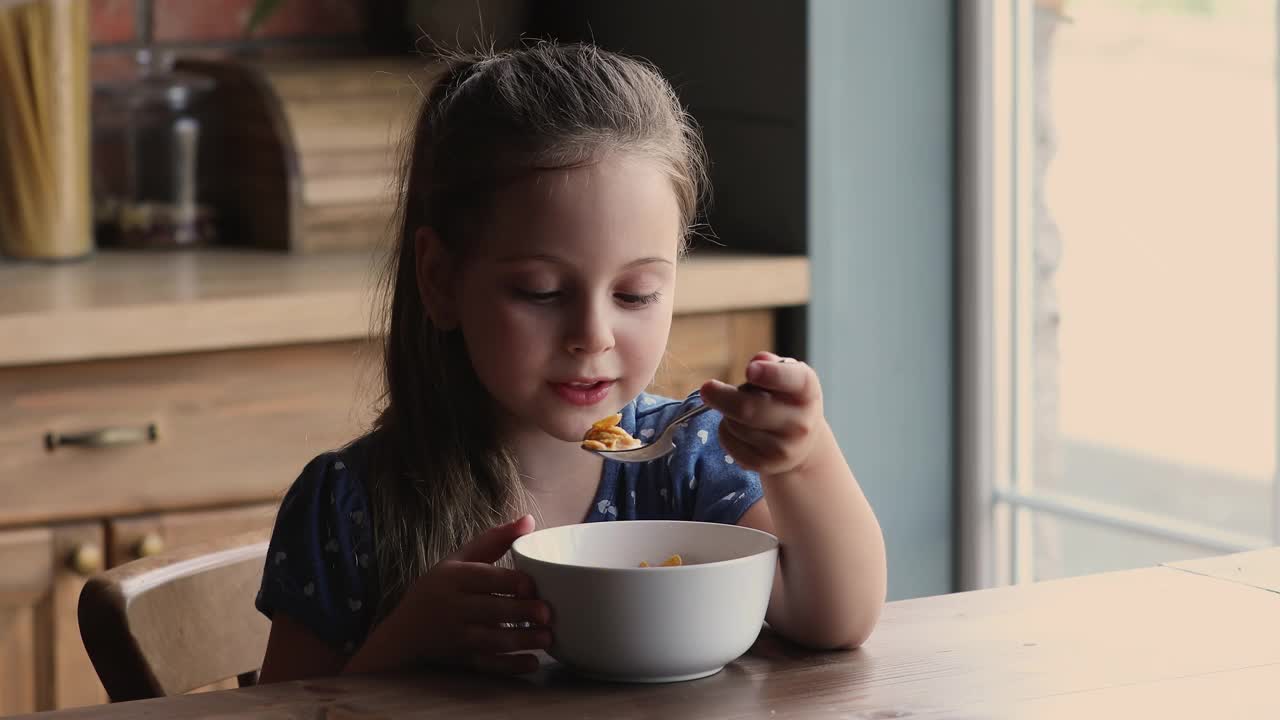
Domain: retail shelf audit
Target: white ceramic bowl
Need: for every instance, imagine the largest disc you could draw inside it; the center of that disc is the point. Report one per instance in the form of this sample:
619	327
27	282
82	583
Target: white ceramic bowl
613	620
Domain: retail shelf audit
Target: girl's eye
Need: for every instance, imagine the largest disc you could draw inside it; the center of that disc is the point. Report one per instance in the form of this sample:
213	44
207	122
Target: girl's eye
637	300
538	297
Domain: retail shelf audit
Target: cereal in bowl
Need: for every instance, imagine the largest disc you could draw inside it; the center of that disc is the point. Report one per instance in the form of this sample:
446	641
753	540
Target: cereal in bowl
673	561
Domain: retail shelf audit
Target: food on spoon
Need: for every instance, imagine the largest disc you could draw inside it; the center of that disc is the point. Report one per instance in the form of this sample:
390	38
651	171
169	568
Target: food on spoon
673	561
607	435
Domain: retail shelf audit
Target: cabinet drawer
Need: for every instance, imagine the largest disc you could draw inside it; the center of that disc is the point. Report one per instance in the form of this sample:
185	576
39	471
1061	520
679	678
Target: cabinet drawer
231	427
131	538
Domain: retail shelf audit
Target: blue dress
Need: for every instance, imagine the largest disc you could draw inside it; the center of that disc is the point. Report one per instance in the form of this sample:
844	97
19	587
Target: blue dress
321	569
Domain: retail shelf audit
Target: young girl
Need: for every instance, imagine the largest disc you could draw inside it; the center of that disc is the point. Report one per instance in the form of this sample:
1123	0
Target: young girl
545	203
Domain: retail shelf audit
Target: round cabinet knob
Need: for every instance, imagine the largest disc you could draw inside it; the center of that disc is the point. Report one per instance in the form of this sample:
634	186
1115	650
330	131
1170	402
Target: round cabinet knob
150	544
86	559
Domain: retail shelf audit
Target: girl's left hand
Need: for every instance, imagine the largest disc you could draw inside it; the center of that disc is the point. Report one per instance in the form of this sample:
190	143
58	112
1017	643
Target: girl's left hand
775	431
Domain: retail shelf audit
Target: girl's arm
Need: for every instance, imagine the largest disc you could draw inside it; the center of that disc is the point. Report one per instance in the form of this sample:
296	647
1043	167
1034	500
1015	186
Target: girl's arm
831	579
451	615
293	653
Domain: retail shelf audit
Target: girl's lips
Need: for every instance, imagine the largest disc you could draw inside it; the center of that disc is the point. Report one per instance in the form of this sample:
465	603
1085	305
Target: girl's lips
583	394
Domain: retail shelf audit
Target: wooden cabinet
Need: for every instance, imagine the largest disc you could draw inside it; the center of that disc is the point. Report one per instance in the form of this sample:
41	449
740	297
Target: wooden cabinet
235	426
233	429
712	345
26	556
230	426
43	664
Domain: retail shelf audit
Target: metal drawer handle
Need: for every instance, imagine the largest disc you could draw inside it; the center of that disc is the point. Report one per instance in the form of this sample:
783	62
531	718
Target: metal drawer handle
85	559
106	437
150	544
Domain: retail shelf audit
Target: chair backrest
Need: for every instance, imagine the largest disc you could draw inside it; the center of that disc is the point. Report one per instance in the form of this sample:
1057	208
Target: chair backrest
177	621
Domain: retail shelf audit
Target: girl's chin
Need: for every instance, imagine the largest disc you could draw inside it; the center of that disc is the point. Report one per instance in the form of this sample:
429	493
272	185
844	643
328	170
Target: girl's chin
562	422
568	430
565	426
572	426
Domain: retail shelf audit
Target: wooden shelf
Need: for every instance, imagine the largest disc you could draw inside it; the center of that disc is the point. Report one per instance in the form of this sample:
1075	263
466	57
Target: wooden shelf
125	304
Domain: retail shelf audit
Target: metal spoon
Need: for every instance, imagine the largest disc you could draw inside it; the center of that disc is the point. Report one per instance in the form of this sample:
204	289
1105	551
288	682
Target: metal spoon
662	445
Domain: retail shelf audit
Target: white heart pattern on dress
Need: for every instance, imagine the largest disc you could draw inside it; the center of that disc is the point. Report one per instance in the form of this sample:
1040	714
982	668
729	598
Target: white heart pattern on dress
339	465
280	557
703	435
354	604
309	589
646	433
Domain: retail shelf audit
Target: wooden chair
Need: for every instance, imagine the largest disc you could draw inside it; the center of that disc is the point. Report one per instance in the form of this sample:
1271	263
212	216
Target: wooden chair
177	621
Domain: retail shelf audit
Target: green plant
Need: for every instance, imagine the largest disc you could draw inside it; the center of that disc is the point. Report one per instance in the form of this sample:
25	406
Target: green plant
262	11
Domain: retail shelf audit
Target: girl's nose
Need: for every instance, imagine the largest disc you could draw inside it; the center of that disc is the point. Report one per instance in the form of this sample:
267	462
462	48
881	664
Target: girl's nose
591	332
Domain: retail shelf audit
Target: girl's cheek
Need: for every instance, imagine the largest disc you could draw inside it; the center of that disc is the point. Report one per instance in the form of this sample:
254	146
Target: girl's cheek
518	324
645	340
510	310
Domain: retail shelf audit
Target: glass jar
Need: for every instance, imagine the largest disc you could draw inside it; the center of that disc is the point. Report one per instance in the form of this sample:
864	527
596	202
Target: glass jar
146	160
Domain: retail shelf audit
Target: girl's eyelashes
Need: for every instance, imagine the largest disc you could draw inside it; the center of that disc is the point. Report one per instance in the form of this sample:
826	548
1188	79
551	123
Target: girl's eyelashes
543	297
537	296
638	300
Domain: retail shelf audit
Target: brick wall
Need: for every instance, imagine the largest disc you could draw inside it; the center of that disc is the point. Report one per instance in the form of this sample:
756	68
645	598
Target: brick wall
217	27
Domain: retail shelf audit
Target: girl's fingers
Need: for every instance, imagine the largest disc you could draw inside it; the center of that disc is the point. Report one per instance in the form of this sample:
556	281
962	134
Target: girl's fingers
794	381
494	609
753	409
764	452
766	444
489	546
486	640
521	664
738	447
484	579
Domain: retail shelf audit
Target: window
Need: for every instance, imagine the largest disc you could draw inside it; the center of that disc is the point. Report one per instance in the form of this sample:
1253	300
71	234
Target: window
1119	284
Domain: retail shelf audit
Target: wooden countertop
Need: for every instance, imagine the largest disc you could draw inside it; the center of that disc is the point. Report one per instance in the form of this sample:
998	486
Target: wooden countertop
1162	642
123	304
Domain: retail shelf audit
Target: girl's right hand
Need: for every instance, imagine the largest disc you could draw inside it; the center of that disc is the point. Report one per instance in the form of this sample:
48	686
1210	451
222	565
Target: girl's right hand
462	602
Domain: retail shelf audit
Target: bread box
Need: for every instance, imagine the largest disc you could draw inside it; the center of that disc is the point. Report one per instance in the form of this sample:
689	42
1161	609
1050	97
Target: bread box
304	153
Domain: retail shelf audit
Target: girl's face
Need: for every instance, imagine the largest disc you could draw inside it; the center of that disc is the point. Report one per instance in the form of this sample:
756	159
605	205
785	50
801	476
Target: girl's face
565	303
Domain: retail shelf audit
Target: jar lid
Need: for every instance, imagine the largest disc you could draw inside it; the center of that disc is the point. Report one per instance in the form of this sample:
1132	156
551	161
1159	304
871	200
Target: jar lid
155	84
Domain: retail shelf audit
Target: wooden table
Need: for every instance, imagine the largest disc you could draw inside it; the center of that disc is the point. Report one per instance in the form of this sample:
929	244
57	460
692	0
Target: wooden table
1196	640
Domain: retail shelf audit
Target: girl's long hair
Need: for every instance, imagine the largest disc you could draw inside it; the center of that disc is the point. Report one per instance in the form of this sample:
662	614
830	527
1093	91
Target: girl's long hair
438	473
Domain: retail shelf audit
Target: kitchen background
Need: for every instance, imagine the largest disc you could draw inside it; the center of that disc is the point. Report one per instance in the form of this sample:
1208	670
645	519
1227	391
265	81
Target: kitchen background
1028	244
164	379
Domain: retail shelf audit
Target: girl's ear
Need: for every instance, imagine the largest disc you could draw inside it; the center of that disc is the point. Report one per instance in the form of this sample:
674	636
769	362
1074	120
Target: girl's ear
435	278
